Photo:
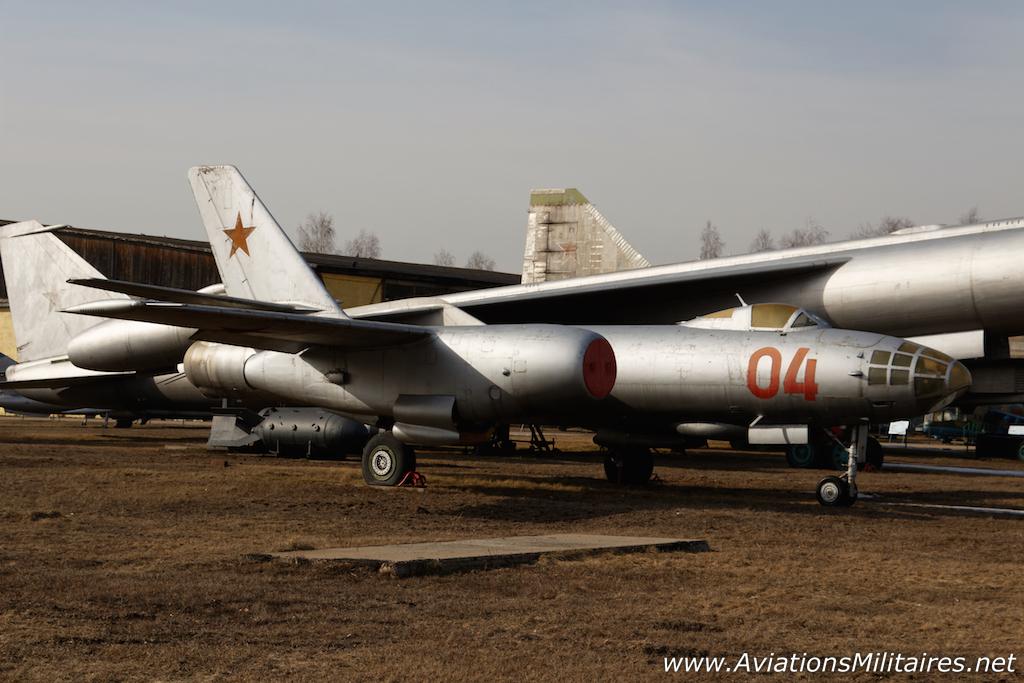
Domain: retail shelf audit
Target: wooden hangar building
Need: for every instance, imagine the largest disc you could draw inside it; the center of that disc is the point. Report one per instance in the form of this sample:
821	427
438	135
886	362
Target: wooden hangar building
189	264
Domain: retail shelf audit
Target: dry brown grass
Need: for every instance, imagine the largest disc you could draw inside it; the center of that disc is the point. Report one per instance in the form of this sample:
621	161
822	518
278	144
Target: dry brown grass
121	558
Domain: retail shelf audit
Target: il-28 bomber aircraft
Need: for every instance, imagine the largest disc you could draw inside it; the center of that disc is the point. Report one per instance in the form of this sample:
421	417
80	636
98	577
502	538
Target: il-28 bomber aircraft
767	373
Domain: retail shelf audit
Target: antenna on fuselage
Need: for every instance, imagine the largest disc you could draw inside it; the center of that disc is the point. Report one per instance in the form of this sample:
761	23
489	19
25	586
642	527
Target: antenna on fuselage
742	302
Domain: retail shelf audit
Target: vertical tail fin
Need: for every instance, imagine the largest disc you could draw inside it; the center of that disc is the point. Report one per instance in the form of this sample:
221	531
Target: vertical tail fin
37	266
566	236
254	255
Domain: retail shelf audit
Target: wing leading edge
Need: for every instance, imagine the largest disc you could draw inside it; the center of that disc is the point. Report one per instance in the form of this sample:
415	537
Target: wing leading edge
270	330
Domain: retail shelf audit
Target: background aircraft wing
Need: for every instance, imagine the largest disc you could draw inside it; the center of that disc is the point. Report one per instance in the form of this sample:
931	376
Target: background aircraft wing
662	294
271	330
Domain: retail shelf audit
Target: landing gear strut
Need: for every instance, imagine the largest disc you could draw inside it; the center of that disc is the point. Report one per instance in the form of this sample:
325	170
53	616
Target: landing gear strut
629	466
386	460
842	491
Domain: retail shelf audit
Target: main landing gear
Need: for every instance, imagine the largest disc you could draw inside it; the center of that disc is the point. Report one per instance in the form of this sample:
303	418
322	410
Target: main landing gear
629	465
842	491
387	461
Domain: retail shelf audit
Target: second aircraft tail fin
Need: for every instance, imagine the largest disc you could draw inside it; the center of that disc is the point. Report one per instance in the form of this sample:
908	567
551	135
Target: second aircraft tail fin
566	236
37	266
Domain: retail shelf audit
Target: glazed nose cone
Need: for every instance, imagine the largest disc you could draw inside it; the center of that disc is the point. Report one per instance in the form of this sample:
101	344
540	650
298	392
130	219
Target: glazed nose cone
938	383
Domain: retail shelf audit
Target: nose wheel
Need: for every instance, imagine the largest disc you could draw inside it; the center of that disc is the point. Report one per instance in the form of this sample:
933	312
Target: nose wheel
842	491
836	492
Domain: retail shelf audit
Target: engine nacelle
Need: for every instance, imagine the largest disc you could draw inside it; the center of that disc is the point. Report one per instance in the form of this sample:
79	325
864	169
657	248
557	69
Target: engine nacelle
218	370
125	345
299	432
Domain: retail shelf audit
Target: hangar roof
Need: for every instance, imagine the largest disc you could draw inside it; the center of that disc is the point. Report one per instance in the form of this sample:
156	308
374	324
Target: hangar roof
188	264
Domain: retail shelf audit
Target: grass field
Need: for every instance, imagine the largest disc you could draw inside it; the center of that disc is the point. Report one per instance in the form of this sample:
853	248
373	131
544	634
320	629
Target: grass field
124	554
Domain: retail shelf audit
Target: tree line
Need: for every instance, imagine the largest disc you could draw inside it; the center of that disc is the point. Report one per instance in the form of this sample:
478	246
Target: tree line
811	233
317	235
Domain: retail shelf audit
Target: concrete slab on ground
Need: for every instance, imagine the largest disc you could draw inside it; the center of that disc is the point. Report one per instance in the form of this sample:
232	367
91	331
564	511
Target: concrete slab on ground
411	559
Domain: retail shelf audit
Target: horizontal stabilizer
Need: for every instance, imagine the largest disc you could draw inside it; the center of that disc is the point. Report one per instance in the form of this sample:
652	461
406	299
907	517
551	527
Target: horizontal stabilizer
26	228
185	296
259	329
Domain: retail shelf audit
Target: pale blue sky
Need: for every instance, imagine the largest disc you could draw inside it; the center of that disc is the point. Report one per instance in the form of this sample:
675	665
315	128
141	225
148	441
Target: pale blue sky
428	123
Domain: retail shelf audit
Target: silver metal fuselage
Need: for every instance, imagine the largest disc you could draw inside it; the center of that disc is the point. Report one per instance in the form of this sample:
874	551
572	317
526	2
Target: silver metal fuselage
919	288
677	374
493	373
665	375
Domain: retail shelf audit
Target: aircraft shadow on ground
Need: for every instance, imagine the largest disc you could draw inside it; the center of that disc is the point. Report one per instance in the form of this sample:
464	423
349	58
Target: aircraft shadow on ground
530	497
596	498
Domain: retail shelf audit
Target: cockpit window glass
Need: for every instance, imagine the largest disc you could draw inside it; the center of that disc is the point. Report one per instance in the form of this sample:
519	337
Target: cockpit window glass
902	360
909	347
727	313
880	358
930	366
900	377
771	316
876	375
803	320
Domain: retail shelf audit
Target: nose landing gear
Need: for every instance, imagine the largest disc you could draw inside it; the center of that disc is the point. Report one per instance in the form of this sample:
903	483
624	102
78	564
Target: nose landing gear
836	492
842	491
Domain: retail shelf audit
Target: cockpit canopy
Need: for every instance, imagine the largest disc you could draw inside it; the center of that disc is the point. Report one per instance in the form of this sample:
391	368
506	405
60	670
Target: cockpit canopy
766	317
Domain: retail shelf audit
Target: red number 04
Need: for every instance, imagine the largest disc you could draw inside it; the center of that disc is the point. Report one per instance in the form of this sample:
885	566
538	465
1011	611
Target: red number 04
790	385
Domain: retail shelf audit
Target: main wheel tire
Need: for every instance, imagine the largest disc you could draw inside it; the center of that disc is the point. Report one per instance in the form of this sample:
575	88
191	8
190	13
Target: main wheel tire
633	467
639	467
123	423
833	492
386	460
1020	451
875	456
803	455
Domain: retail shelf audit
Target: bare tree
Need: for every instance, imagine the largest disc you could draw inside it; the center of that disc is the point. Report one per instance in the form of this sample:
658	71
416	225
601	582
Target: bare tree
812	233
971	216
480	261
365	244
444	258
711	244
763	241
316	234
888	224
